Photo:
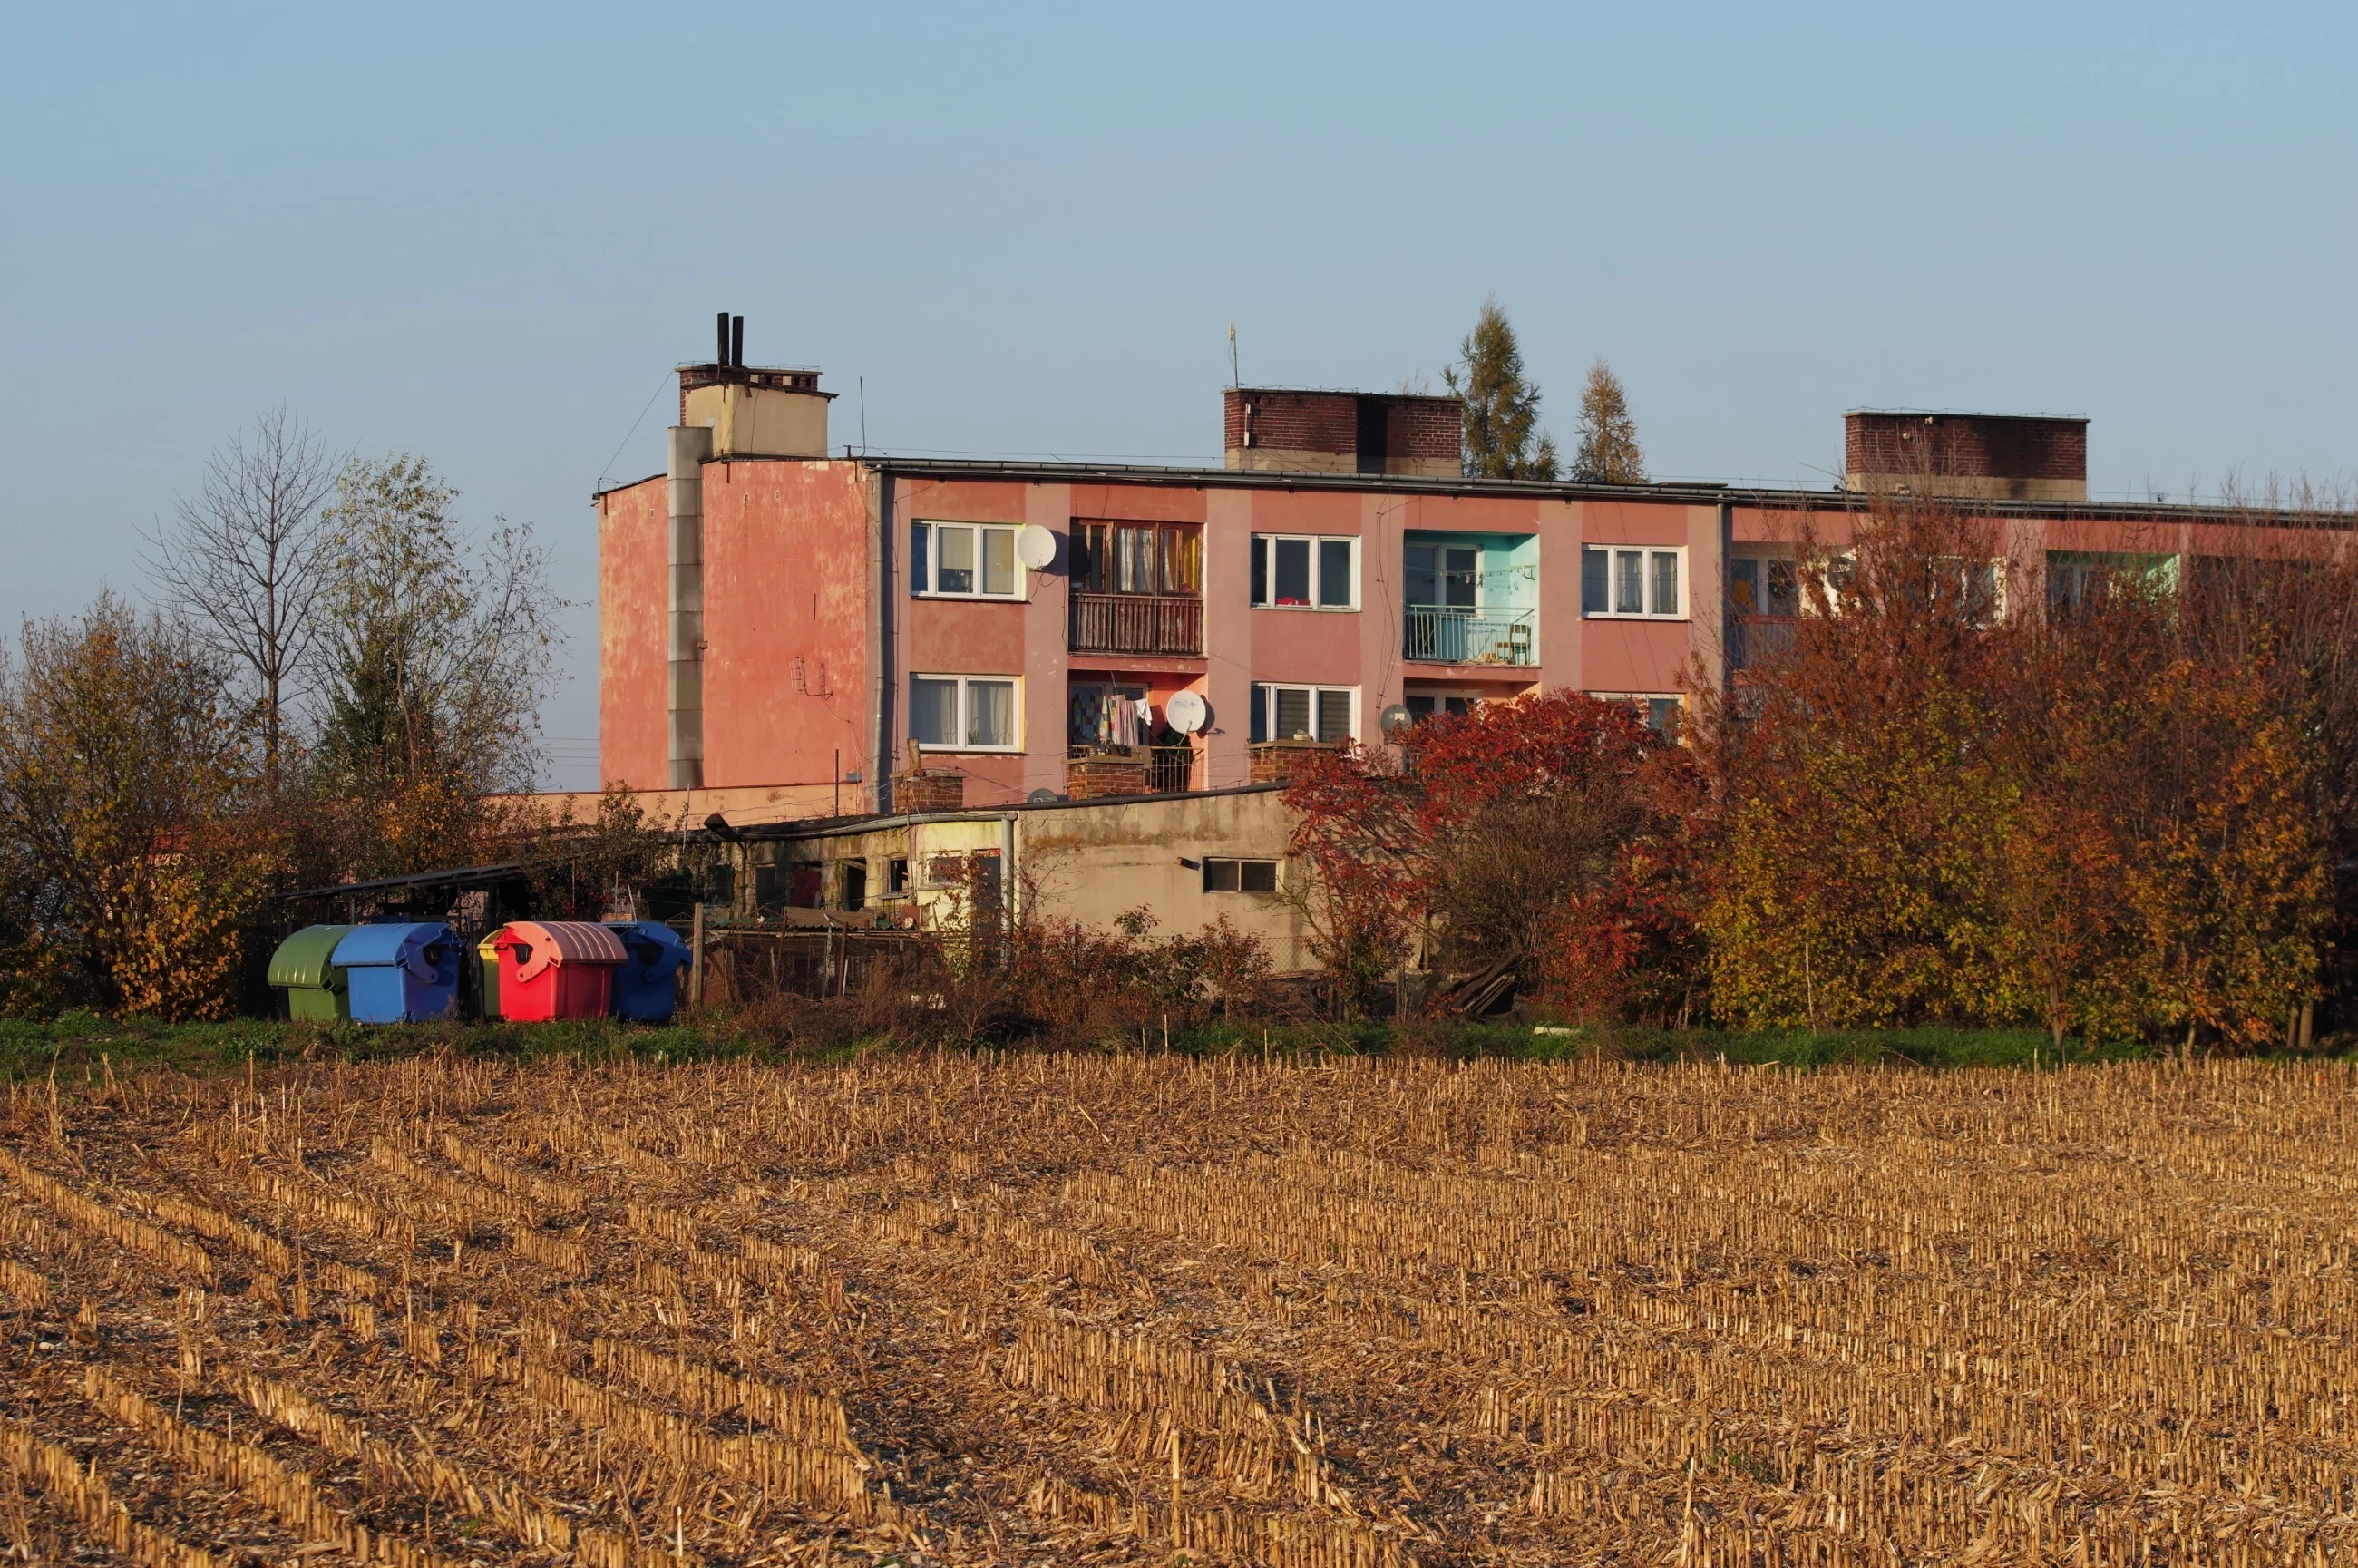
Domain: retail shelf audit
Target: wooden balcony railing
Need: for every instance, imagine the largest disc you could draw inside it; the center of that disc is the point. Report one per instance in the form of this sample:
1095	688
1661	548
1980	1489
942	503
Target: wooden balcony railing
1137	623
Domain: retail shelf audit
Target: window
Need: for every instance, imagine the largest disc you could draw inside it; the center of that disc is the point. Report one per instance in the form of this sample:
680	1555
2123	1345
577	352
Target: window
1424	706
1240	876
896	874
854	885
1139	557
1762	585
1661	710
1616	581
1442	575
1305	573
963	713
962	560
1325	713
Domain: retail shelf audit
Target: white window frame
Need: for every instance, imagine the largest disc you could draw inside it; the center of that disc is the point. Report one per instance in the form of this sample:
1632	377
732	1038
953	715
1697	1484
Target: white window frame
928	569
1645	554
1644	701
1264	556
966	711
1265	697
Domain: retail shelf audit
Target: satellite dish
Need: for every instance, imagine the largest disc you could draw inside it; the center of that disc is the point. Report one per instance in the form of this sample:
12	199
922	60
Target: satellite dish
1186	712
1040	796
1397	717
1034	547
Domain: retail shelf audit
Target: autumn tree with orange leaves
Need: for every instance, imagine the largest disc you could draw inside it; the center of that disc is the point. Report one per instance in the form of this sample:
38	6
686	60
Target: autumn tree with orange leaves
1535	839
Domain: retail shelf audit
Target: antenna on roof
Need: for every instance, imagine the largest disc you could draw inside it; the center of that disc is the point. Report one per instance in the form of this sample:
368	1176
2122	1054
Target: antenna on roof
1232	355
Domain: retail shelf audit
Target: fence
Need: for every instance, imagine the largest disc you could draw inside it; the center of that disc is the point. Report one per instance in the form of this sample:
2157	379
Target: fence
1137	623
745	965
1460	637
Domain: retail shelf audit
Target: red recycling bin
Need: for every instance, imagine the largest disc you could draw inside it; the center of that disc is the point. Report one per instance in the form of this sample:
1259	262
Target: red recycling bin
556	968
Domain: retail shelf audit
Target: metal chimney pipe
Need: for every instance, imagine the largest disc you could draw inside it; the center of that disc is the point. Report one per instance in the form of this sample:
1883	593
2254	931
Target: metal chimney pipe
737	341
720	333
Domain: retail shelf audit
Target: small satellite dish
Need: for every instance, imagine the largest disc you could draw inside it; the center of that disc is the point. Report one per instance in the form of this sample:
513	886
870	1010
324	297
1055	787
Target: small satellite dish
1040	796
1186	712
1034	547
1396	719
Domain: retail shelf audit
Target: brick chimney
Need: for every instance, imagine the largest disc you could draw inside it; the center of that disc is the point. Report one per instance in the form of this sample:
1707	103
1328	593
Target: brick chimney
753	413
1292	431
1978	457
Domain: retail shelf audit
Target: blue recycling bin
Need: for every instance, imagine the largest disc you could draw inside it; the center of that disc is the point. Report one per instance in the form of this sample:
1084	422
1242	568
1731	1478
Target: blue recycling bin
645	987
400	972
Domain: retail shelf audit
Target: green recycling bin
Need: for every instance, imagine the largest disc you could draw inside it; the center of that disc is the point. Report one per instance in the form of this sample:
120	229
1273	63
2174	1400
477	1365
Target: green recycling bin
304	967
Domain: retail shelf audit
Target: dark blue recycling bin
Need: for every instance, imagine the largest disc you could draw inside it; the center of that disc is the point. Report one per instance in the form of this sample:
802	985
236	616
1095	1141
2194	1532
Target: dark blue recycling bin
400	972
645	987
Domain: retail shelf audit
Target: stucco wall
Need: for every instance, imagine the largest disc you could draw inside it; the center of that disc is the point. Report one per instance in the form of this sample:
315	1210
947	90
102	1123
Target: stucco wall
1095	862
633	550
785	606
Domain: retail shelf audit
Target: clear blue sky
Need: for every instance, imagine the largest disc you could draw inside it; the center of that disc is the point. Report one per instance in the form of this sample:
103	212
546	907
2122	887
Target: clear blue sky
485	232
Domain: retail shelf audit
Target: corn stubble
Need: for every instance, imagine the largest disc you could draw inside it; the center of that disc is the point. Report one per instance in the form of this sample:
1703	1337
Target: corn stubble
1140	1309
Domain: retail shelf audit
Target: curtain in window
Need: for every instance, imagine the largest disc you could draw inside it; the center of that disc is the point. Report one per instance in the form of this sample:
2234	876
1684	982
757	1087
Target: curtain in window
1182	561
991	713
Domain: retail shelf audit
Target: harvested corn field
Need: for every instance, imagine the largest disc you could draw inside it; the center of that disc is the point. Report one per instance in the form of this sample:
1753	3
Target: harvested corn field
1106	1309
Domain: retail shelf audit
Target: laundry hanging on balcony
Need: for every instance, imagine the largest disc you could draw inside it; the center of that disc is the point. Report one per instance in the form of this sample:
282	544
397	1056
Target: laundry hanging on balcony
1106	716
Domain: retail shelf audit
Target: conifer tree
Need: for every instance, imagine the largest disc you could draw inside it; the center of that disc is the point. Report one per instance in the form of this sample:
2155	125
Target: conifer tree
1609	452
1503	438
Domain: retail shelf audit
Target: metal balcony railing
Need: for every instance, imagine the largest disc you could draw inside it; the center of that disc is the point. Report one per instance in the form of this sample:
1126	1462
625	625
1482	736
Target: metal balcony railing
1439	636
1756	639
1137	623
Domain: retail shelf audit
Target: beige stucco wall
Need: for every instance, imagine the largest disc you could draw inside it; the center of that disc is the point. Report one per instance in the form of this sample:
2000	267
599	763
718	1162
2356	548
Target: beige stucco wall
759	421
1092	862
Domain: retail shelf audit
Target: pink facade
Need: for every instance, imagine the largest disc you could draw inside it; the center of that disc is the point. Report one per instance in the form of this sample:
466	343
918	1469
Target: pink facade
851	605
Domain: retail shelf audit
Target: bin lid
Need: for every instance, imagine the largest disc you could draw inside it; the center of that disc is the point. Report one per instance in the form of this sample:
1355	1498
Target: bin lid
396	942
652	944
560	942
307	959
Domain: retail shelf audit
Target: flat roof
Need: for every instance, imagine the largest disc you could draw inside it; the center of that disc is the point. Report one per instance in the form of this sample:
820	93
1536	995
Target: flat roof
839	827
1689	492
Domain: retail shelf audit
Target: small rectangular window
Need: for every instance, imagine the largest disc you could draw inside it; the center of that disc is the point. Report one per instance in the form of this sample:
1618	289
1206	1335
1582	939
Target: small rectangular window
1305	573
1333	571
999	561
991	713
896	874
933	711
1292	571
1594	565
1293	714
1615	581
1240	876
957	574
963	712
1628	582
968	560
1321	713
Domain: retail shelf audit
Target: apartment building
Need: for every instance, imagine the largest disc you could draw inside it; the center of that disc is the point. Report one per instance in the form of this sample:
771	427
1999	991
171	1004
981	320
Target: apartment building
780	622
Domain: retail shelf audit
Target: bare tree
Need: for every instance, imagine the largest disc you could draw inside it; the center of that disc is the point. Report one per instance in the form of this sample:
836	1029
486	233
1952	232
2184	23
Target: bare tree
243	559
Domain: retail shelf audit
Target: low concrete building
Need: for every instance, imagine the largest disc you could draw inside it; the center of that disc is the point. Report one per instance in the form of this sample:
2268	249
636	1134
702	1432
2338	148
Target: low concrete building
1188	858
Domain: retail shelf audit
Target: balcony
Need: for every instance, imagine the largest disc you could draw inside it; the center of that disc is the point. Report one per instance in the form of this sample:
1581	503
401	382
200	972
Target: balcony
1754	640
1138	623
1441	636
